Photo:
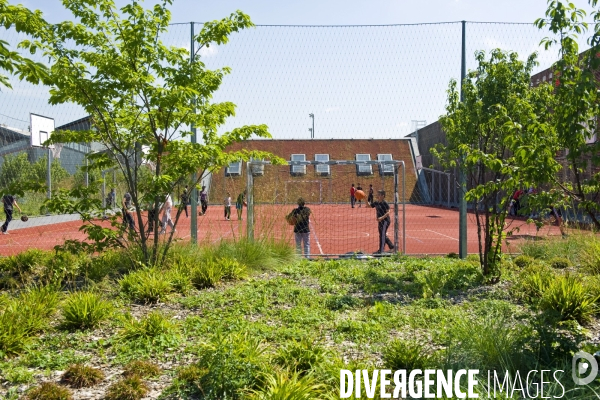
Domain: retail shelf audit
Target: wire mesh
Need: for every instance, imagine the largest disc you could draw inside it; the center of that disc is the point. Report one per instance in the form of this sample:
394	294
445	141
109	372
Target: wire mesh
341	218
356	81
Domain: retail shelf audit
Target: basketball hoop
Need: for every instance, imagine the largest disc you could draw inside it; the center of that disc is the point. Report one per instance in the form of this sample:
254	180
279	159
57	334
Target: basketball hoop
56	150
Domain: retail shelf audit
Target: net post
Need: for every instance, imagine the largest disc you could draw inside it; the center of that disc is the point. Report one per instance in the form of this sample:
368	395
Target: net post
403	207
104	191
49	173
462	179
193	193
448	191
250	202
396	194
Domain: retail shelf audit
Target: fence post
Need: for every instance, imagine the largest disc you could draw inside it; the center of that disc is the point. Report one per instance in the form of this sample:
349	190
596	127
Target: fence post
193	194
396	194
49	173
249	201
462	180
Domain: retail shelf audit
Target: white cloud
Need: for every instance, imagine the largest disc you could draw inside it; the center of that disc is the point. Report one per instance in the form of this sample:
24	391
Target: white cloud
208	51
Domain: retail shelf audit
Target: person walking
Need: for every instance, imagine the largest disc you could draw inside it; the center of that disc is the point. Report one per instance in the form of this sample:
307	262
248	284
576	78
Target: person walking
383	221
301	216
370	196
185	199
240	202
9	201
127	214
203	200
227	204
166	218
352	198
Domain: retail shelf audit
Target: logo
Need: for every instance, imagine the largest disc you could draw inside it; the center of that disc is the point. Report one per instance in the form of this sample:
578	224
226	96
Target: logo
584	368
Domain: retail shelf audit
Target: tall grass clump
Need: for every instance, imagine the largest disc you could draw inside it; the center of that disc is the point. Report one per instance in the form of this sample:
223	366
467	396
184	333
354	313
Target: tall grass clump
147	285
49	391
590	257
406	354
80	376
153	328
570	299
20	269
85	310
494	342
300	356
129	388
285	385
211	271
570	247
255	254
24	317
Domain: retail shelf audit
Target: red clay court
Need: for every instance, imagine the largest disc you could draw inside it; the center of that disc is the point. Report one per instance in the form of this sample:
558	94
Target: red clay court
335	229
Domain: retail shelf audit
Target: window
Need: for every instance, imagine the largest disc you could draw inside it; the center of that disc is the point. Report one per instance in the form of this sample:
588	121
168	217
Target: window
322	169
385	169
364	169
298	169
234	169
258	169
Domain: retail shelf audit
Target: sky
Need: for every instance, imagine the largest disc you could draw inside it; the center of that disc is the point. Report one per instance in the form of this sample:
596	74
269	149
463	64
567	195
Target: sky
335	59
340	12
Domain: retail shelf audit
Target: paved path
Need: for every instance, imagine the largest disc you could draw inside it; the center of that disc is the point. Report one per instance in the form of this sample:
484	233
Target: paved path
16	223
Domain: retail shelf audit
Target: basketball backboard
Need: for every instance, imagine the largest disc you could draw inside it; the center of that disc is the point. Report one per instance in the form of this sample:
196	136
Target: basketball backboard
41	128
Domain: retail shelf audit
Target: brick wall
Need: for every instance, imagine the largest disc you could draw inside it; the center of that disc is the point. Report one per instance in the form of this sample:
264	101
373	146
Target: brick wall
278	185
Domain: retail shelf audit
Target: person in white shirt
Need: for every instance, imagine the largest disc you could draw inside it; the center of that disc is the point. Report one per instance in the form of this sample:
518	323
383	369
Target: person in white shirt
166	218
228	207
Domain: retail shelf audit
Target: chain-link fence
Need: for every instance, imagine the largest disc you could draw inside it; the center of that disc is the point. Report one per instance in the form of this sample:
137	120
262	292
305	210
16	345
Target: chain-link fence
339	83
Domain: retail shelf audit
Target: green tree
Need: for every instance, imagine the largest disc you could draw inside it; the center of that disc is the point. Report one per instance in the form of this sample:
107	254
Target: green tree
141	94
23	20
502	131
577	103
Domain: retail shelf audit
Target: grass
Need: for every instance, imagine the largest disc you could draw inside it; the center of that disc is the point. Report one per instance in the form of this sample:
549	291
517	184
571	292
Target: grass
80	376
85	310
49	391
267	329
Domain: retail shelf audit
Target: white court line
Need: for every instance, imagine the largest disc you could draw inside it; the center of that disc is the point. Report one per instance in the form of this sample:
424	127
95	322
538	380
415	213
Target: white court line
312	228
413	238
450	237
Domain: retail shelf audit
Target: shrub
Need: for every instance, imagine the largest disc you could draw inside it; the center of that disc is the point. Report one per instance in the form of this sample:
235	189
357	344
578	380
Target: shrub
143	369
17	375
130	388
567	296
560	263
300	356
80	376
523	261
406	354
148	285
85	310
288	386
61	267
49	391
20	269
232	362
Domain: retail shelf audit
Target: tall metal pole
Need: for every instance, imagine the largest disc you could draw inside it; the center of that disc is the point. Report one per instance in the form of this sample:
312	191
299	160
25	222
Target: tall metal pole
49	173
462	179
249	201
396	195
193	194
312	132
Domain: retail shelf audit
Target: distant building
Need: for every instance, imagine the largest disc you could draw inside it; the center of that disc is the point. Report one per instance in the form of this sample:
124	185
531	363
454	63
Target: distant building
14	141
317	183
